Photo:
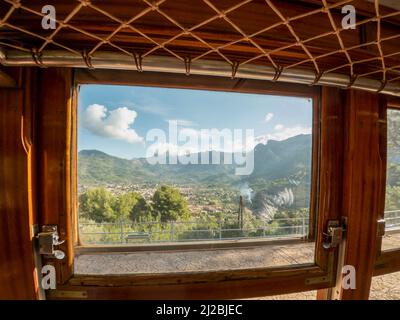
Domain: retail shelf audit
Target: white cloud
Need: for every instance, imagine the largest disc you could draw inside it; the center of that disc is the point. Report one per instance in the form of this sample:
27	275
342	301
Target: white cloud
183	122
191	141
114	124
268	117
282	133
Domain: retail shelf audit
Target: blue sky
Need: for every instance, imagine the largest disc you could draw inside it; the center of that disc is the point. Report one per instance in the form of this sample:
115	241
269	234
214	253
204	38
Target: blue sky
116	119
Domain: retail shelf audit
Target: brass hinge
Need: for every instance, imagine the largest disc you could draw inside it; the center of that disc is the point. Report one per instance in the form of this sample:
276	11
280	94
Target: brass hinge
70	294
316	280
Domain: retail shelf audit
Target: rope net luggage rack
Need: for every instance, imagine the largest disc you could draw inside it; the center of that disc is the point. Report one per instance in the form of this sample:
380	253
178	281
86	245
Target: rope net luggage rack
359	67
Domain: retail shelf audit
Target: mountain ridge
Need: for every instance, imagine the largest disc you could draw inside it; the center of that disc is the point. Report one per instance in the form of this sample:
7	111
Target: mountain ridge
273	160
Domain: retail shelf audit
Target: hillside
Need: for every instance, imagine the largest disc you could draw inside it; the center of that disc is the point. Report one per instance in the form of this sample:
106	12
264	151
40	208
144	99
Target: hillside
288	159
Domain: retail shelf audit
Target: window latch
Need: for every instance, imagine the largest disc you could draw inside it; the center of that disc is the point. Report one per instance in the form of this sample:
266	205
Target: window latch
49	239
335	233
381	227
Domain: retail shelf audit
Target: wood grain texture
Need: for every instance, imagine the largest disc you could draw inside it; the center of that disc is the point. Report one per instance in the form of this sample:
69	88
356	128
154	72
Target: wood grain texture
6	80
387	262
331	164
331	168
364	184
213	286
171	80
17	200
393	102
251	18
54	160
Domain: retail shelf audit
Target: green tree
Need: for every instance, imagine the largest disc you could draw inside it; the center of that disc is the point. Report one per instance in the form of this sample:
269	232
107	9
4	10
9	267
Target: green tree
393	132
169	204
124	204
393	174
392	198
393	171
97	204
141	211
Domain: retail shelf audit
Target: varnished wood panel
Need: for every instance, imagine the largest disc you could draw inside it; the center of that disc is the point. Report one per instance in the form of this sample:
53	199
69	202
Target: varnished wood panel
331	163
54	159
364	184
331	167
171	80
387	262
252	17
213	286
393	102
6	80
17	185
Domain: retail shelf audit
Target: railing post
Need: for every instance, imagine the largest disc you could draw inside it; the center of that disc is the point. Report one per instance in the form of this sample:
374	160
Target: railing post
304	226
122	231
220	229
264	225
171	235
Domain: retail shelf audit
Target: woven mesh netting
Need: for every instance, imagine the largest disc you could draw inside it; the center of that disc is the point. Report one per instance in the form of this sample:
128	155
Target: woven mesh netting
282	34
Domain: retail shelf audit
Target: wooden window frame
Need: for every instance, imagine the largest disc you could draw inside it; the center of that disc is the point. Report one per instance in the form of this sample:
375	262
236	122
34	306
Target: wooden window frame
387	261
58	158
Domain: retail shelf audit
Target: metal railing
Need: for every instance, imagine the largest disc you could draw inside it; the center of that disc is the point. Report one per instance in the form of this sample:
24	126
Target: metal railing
392	219
211	229
180	231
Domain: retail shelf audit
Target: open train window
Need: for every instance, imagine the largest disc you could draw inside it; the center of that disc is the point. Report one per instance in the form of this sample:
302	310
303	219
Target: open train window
187	184
160	169
388	259
391	239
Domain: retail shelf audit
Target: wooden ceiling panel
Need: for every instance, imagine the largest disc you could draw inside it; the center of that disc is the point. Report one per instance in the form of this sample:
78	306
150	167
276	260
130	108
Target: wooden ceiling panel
219	31
63	7
312	26
323	45
275	38
131	41
187	14
281	33
187	46
292	8
337	59
258	12
121	9
227	4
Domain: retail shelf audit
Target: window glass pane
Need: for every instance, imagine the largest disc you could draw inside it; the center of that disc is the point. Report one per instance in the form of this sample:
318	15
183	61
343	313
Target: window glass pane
391	239
161	169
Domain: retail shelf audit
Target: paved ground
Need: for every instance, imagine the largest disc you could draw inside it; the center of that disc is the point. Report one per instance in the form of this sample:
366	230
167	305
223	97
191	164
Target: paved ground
199	260
383	288
391	241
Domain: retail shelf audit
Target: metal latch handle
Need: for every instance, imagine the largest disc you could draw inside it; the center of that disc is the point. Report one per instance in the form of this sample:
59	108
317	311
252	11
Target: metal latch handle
335	234
48	240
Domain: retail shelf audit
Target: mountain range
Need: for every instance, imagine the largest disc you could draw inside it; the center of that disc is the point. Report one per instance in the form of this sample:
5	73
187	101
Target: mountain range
289	159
